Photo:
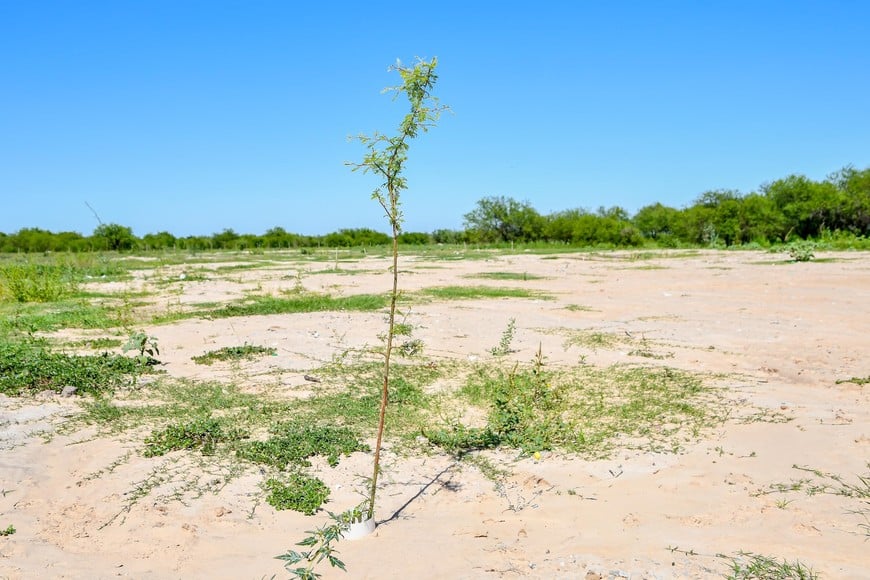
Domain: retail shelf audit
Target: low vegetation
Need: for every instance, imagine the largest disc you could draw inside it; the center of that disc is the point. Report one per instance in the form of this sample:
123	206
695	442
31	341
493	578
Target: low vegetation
29	365
234	353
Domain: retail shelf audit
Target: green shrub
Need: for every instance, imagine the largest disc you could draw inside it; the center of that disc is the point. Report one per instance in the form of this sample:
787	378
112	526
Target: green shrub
31	282
294	444
29	366
300	493
202	434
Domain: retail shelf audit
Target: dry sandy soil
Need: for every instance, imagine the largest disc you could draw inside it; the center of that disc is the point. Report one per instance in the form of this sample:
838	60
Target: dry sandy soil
776	337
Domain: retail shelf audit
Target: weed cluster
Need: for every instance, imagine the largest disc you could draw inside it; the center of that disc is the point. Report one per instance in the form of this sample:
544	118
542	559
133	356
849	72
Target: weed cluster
234	353
30	366
507	337
294	443
32	282
749	566
526	413
201	434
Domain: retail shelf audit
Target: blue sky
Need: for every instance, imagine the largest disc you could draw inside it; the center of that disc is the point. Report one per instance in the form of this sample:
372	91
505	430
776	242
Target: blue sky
196	116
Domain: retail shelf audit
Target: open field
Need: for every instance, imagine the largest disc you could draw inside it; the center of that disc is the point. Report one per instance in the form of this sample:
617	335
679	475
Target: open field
579	415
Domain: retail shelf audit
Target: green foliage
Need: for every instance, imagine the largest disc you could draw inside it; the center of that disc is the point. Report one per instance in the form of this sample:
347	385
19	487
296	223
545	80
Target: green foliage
299	492
356	237
320	542
801	251
10	529
385	158
146	345
582	409
503	219
234	353
29	366
33	282
477	292
749	566
66	314
114	237
506	276
526	413
202	434
294	443
264	305
507	337
860	381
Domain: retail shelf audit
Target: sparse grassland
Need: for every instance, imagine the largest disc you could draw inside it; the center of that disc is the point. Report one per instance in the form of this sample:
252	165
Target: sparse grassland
293	430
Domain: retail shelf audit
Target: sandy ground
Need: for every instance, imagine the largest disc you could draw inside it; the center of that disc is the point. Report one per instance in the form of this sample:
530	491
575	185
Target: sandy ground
779	336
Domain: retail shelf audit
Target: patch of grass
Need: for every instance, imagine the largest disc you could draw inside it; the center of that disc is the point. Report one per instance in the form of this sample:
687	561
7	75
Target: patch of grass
294	443
265	305
184	277
579	308
478	292
356	401
860	381
168	401
584	410
234	353
96	343
822	482
749	566
200	434
298	492
505	276
56	315
10	529
30	366
594	339
35	282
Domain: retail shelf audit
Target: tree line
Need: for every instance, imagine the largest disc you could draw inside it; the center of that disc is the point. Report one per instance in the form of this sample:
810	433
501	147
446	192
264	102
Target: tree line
787	209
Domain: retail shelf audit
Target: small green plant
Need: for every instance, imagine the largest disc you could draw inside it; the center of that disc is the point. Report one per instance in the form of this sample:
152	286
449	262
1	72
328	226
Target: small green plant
860	381
233	353
749	566
10	529
507	337
299	492
411	347
802	251
320	543
526	414
147	347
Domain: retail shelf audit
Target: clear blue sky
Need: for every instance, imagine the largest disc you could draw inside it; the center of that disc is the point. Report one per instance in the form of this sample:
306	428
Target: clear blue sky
195	116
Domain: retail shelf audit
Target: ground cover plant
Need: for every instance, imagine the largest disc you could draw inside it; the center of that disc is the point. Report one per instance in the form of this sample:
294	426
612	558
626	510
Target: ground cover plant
480	292
234	353
29	365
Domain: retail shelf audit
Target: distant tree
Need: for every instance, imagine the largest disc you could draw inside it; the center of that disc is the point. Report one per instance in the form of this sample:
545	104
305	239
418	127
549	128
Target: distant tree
414	238
504	219
158	241
855	187
445	236
808	206
113	237
225	239
356	237
657	220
